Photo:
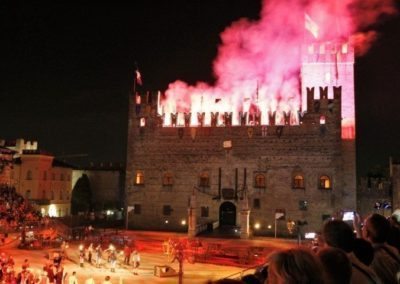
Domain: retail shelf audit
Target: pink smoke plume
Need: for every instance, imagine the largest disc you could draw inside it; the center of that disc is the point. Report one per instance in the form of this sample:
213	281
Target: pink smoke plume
258	62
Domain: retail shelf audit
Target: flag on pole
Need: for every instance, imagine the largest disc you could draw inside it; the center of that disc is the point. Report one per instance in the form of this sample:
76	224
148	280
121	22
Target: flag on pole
138	77
311	26
280	214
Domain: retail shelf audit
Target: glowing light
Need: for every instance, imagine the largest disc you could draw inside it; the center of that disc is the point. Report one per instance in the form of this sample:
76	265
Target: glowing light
227	144
53	210
269	227
142	122
328	77
80	247
166	221
183	222
257	226
322	120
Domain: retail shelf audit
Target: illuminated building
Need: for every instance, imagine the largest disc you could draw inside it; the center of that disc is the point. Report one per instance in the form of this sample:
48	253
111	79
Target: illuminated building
244	167
42	179
6	162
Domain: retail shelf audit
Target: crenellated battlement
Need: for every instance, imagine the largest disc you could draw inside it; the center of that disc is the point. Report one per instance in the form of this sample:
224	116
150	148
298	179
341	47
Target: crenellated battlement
321	109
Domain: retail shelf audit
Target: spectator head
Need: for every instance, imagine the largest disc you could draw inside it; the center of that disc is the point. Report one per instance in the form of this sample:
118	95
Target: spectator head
338	234
337	266
376	228
107	278
297	265
363	250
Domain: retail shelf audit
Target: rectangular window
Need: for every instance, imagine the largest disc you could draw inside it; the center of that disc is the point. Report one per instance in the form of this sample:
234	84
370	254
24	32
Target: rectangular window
139	178
204	211
256	203
167	210
204	181
137	209
168	179
259	181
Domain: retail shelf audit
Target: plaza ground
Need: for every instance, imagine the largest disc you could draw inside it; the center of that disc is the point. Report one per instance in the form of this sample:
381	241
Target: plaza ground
150	245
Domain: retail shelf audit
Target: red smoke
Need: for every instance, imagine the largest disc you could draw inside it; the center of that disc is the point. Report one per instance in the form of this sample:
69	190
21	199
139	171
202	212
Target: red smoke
258	62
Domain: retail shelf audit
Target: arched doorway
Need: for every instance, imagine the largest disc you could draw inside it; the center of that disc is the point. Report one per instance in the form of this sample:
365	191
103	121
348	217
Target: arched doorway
227	214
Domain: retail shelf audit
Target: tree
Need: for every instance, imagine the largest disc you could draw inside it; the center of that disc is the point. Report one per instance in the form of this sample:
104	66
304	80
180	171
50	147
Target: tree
81	200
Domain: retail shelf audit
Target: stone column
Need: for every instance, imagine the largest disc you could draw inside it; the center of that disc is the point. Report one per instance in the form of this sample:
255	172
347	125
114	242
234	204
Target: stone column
245	224
244	217
192	220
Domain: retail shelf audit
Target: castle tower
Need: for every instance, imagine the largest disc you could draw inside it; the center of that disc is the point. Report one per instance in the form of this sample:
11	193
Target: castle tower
332	64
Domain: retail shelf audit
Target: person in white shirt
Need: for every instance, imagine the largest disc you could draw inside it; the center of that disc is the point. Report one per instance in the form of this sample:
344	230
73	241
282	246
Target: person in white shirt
72	279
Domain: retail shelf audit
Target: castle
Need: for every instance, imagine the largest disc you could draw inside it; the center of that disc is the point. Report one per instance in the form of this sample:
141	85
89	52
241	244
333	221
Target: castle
249	174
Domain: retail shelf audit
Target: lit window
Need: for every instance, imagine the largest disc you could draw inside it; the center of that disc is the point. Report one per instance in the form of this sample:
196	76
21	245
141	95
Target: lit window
327	77
139	177
298	182
204	180
168	179
324	182
322	119
344	48
29	175
259	181
142	122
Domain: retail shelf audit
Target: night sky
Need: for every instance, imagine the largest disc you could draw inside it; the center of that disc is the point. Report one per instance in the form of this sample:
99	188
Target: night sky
67	71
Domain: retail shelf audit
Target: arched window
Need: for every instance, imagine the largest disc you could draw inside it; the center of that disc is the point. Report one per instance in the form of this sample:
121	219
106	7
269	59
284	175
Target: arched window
204	180
325	182
139	177
298	182
259	181
168	179
29	175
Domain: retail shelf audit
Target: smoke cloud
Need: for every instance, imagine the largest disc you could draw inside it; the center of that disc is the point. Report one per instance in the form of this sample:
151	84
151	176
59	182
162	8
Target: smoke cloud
258	62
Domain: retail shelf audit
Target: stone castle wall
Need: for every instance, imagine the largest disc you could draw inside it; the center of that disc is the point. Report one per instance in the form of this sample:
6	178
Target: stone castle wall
278	152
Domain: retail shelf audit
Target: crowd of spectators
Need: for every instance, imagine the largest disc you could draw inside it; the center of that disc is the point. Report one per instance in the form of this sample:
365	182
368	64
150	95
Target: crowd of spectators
364	252
15	210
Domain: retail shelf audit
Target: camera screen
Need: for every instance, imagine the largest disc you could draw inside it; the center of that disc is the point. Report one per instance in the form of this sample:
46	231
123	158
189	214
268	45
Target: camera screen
348	216
309	235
